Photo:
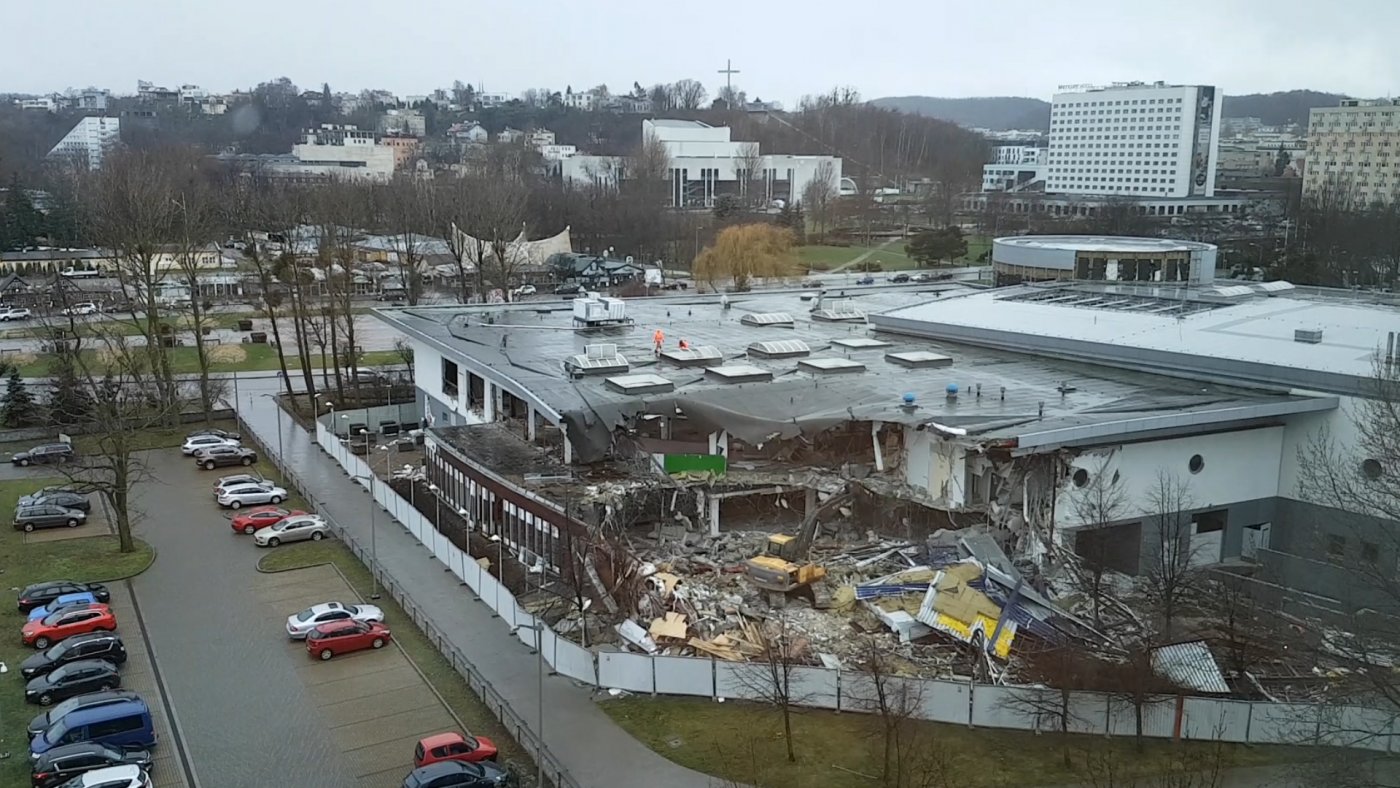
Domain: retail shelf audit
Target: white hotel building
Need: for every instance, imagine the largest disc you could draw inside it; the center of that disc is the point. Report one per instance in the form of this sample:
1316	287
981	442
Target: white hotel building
1134	139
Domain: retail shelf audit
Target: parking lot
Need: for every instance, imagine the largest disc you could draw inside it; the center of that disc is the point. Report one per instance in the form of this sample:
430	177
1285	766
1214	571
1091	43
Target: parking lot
138	675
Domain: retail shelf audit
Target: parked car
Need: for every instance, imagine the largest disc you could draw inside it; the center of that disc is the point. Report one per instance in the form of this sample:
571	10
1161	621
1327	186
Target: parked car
80	598
680	285
250	495
343	637
221	456
293	529
50	490
92	700
27	518
197	442
15	313
80	310
455	774
526	290
106	646
117	723
48	454
866	280
922	276
899	279
65	498
252	520
569	290
300	624
74	620
127	775
75	678
453	746
43	593
239	478
214	433
817	283
61	764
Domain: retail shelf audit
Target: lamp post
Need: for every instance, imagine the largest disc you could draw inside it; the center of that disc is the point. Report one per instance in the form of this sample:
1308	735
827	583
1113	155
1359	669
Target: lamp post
538	626
275	404
500	569
437	518
373	531
3	755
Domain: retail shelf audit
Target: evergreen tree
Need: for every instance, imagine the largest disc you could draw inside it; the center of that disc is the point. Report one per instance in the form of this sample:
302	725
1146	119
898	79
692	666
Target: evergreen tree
69	401
20	222
18	408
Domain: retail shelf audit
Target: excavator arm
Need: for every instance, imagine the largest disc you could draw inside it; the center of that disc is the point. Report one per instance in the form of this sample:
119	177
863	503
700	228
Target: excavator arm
807	534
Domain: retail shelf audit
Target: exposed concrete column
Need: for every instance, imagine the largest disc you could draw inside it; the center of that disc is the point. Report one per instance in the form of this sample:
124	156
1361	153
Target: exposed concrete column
530	422
488	396
719	443
714	516
665	428
875	441
568	446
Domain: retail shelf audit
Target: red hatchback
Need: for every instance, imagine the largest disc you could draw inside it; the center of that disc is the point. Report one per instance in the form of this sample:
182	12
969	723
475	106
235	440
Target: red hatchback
453	747
342	637
250	521
66	622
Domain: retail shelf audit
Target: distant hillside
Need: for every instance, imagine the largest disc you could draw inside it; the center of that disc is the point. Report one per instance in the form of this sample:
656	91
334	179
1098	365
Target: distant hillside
1001	113
994	112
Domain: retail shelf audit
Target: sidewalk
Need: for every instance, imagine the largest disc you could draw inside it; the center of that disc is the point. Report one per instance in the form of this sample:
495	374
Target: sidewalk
594	750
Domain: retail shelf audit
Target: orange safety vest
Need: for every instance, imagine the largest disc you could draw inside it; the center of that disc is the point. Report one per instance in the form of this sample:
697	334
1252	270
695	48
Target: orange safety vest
658	337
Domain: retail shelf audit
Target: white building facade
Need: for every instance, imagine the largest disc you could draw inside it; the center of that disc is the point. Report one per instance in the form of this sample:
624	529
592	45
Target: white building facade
340	151
1354	150
89	140
1134	139
1015	168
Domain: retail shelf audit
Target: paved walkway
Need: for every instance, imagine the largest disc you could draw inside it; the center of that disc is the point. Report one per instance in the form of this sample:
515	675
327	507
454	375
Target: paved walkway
863	256
594	750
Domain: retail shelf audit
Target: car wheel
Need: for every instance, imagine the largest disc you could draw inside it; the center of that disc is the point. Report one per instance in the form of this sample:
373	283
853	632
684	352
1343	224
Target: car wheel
276	499
72	522
326	654
273	542
41	643
24	463
248	529
317	536
28	527
234	504
45	699
209	466
107	686
378	643
247	460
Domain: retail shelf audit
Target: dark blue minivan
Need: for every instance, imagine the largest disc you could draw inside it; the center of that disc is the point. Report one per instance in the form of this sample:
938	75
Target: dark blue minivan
126	723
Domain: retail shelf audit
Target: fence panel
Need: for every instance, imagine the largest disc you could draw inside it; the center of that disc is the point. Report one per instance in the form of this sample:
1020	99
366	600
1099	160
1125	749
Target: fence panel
443	550
1213	719
1088	712
817	687
574	661
459	559
471	574
749	680
1020	708
1158	716
1353	726
489	590
1284	723
946	701
685	676
625	671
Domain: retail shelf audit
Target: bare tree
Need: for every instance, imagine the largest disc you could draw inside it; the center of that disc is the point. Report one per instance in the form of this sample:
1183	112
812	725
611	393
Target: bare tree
405	210
1171	571
485	212
818	196
1097	505
895	701
689	94
771	676
259	207
1059	671
198	225
750	174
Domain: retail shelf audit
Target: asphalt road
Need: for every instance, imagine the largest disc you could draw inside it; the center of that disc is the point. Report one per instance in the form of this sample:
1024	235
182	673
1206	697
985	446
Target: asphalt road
244	711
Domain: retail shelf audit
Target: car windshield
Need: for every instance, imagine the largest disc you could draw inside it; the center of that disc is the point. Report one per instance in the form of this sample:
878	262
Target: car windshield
305	615
61	649
59	674
354	610
53	617
56	731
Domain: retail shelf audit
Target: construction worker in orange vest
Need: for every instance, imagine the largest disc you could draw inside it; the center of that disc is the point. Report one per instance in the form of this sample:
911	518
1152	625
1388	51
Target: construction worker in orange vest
657	340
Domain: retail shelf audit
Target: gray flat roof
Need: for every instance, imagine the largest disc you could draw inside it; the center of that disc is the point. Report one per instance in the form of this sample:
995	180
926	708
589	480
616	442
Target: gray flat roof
1001	395
1101	243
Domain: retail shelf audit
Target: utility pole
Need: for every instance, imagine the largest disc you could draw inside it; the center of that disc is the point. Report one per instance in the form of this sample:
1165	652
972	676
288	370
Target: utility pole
729	71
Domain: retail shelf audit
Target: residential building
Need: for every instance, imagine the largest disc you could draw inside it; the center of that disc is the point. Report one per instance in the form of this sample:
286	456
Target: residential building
404	147
539	138
1134	139
583	100
88	141
1015	168
1085	205
87	99
485	99
1250	157
556	152
469	132
45	103
52	261
331	151
510	136
1354	152
149	92
705	164
403	121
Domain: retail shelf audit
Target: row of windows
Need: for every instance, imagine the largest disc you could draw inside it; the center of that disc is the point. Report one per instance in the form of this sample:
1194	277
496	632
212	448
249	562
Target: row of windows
487	512
1134	189
1094	113
1123	103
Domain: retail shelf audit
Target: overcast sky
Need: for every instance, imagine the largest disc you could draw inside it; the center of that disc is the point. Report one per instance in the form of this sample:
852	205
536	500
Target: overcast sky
783	49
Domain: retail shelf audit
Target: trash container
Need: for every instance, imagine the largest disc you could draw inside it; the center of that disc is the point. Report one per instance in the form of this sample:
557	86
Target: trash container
245	324
258	337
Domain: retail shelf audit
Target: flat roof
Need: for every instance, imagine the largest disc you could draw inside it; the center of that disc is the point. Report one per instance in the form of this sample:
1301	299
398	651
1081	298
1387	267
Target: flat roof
1003	395
1101	243
1196	332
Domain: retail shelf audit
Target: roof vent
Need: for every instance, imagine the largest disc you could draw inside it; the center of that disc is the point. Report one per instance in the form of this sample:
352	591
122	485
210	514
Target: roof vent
1311	336
597	310
781	348
596	360
781	319
1274	287
829	366
919	359
840	310
701	356
738	373
642	383
1235	291
860	343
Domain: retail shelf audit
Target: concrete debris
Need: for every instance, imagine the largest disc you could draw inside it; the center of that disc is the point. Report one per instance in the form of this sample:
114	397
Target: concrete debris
634	634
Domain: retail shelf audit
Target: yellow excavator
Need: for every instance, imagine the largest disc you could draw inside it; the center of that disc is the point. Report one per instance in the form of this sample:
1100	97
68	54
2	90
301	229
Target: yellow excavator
783	569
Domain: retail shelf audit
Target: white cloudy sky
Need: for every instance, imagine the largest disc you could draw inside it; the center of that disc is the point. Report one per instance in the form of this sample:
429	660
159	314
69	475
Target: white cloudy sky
784	48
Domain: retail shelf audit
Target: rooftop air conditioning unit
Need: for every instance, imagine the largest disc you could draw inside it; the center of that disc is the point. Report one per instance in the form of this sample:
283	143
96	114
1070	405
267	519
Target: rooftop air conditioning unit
1311	336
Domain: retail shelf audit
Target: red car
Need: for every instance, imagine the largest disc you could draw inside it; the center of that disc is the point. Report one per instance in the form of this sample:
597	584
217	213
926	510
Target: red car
66	622
250	521
342	637
453	747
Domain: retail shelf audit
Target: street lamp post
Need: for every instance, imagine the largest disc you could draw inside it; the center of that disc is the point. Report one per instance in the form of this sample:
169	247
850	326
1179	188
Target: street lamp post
500	570
538	626
437	493
373	531
275	404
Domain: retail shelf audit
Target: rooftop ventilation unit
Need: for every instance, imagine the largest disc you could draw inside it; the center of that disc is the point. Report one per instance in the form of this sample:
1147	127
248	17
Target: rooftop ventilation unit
779	319
860	343
781	348
1311	336
702	356
596	360
841	310
597	310
919	359
1236	291
1273	287
829	366
738	373
641	383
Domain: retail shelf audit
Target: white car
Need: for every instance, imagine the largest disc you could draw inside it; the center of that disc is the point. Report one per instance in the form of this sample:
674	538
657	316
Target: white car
80	310
301	623
197	442
251	495
15	313
125	776
293	529
525	290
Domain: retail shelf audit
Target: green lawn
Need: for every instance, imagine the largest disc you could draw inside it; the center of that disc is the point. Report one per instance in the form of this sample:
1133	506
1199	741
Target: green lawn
88	559
825	258
185	360
448	683
743	742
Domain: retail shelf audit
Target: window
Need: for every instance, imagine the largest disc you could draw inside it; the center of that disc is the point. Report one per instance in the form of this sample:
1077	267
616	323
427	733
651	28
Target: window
1336	545
1370	552
449	378
1196	464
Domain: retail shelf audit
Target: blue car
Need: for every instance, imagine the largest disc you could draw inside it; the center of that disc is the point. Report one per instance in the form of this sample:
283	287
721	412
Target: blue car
866	280
65	599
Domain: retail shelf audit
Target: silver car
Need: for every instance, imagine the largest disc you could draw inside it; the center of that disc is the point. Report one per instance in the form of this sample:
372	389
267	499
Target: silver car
250	495
298	624
27	518
293	529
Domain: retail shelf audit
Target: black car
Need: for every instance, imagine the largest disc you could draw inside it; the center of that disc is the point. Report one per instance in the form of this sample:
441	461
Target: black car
219	456
225	434
899	279
106	646
42	722
48	454
569	290
66	499
455	774
75	678
44	593
63	763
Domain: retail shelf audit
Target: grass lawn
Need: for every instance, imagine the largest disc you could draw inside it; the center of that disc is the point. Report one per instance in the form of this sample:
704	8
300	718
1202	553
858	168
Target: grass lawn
250	358
89	559
448	683
744	742
825	258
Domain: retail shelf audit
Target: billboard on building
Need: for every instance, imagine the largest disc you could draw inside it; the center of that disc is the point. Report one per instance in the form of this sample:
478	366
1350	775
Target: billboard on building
1200	146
